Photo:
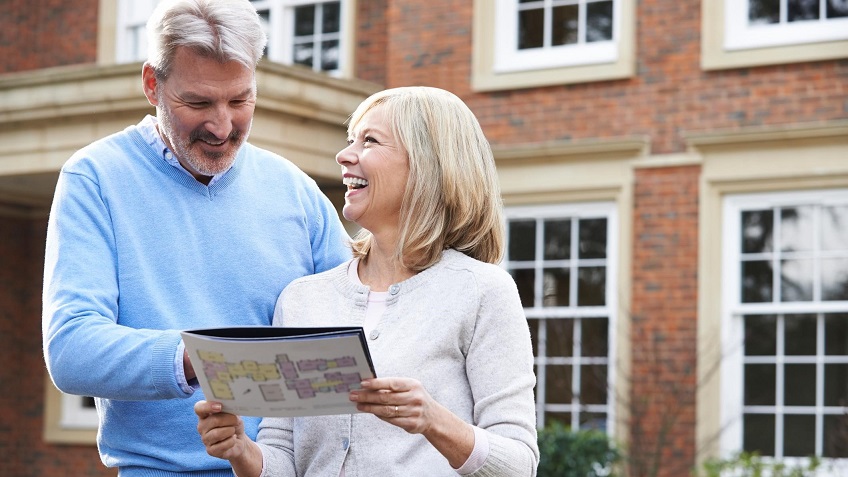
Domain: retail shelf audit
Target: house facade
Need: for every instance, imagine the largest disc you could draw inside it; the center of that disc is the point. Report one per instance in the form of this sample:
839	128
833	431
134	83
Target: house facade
674	174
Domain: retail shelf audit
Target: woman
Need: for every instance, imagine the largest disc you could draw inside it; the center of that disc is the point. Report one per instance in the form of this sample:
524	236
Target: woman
447	334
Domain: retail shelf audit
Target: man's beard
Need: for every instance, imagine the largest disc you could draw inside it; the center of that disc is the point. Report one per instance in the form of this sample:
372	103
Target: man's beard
203	162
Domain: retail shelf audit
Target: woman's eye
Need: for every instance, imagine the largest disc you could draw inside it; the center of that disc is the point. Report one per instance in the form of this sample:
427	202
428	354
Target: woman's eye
370	139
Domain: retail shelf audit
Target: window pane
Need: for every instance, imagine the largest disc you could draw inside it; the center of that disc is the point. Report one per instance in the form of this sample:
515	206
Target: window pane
561	338
557	239
836	436
799	385
555	287
834	279
836	334
800	335
525	280
757	229
593	384
760	335
836	385
531	28
593	238
835	223
837	9
796	229
798	10
561	417
304	20
759	384
796	280
558	384
593	420
564	30
599	21
758	433
533	324
595	342
522	240
329	55
763	11
799	436
756	281
591	286
303	54
331	17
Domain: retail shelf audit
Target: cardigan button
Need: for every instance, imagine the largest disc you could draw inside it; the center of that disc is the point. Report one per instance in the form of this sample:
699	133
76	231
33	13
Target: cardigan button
394	289
375	334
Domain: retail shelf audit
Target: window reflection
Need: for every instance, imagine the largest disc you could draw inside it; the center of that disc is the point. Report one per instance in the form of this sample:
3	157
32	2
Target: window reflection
796	280
757	228
797	227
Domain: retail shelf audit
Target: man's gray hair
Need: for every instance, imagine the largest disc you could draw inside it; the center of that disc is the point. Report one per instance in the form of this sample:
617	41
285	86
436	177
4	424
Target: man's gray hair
224	30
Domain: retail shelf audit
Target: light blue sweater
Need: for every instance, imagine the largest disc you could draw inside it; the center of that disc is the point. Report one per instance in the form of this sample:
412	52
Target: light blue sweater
137	250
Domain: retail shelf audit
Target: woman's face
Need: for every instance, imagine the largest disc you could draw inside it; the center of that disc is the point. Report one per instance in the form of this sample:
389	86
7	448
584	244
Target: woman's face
375	168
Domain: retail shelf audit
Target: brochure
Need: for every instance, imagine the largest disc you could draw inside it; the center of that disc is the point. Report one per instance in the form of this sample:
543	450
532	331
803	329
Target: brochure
272	371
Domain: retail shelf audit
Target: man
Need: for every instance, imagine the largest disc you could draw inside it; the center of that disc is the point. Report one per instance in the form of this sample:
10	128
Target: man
175	223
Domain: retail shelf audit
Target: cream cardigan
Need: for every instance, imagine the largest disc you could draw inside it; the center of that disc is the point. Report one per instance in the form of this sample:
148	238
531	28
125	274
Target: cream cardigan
458	327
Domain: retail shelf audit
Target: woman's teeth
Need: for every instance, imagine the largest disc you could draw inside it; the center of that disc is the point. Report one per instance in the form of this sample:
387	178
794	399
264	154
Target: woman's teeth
355	182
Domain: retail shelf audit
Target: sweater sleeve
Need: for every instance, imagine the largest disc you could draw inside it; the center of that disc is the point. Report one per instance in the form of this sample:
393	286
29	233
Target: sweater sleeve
86	350
330	241
500	371
276	441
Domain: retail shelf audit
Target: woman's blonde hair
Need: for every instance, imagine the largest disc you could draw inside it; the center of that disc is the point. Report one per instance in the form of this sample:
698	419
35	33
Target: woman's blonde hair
452	197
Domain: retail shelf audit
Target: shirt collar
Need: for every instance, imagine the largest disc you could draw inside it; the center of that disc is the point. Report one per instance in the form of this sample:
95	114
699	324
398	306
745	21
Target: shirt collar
151	136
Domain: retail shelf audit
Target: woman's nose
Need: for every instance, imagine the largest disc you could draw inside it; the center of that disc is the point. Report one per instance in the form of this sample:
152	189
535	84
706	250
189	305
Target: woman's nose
347	155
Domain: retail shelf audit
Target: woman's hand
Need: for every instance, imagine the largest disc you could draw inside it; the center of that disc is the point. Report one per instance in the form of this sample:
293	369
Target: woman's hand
223	435
402	402
405	403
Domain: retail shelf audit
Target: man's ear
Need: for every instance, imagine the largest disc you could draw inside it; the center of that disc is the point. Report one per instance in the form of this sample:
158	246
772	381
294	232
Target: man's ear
149	83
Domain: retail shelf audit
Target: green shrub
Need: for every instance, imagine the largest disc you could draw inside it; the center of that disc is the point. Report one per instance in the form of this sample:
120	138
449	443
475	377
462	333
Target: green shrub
747	464
586	453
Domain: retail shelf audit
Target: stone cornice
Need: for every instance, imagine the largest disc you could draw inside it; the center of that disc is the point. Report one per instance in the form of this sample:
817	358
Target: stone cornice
760	134
560	151
83	90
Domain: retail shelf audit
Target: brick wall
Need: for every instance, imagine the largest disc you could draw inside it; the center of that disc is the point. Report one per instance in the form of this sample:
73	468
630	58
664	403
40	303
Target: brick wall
38	34
430	44
371	41
22	367
664	322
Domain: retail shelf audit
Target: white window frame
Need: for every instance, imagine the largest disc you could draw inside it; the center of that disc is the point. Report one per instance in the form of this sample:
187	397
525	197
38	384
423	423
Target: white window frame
490	59
75	415
740	34
607	210
508	58
132	14
283	50
733	311
130	29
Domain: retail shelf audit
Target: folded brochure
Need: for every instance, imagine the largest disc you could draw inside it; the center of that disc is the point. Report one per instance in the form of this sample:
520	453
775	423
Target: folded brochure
273	371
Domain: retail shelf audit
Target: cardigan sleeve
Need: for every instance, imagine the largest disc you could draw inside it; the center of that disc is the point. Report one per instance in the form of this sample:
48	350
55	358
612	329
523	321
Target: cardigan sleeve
499	365
276	440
